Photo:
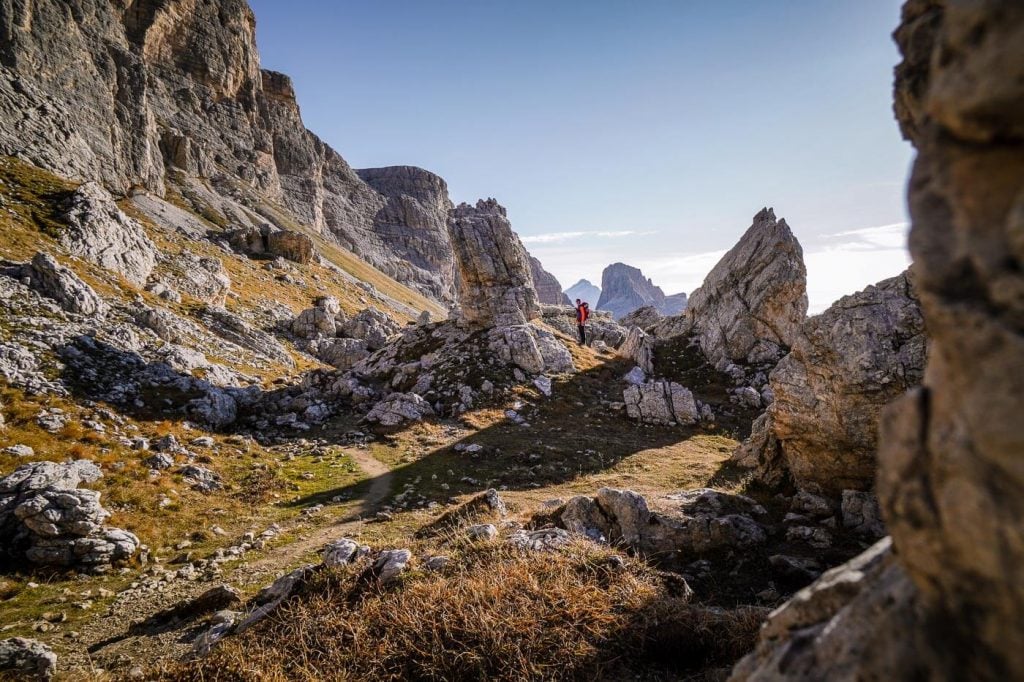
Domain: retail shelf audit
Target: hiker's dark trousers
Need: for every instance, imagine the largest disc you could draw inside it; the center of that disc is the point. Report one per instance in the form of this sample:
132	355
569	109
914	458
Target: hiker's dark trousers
583	333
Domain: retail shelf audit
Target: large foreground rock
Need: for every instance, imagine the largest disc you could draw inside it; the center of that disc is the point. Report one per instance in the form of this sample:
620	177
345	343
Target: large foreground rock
950	483
845	366
751	305
496	285
98	231
47	519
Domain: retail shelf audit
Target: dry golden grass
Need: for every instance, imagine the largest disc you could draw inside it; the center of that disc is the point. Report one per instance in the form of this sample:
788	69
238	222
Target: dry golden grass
496	613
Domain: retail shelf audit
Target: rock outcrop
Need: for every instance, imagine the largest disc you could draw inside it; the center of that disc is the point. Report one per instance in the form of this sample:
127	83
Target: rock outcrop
643	318
845	366
155	95
27	658
661	402
98	231
47	519
53	280
624	289
202	278
495	283
549	291
947	603
751	305
267	241
414	222
698	521
326	333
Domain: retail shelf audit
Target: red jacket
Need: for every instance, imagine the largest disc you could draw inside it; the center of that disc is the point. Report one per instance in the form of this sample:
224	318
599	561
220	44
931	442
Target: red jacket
582	313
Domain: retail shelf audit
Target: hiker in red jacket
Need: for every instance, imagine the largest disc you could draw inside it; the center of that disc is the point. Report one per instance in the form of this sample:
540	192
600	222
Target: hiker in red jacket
582	315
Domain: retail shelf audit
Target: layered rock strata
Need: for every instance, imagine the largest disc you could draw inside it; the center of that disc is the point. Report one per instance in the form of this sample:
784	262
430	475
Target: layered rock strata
947	603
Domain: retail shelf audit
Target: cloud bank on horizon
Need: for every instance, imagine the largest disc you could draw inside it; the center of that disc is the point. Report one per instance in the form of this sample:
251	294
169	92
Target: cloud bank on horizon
838	264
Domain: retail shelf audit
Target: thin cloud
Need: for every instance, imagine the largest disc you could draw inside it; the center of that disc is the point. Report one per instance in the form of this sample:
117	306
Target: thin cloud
556	237
884	237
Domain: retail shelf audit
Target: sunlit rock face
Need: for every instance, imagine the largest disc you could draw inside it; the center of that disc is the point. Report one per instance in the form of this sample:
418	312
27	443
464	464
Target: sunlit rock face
751	305
845	366
495	282
947	604
150	95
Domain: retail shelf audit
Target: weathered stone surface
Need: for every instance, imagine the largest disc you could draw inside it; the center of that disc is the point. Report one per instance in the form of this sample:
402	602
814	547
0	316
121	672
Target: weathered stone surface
495	283
27	658
846	364
55	281
857	622
166	325
544	539
202	278
549	291
339	353
320	320
370	325
752	303
414	222
532	349
270	241
47	519
638	347
643	317
291	245
624	289
860	512
482	532
98	231
699	521
947	604
661	402
399	408
162	94
340	552
233	328
390	564
200	478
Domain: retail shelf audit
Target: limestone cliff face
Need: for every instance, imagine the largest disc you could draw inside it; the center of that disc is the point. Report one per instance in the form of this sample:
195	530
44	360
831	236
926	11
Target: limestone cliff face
139	94
549	291
414	222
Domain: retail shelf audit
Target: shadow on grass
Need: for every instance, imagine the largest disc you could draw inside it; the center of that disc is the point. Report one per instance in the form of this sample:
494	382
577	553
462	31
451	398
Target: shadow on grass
570	435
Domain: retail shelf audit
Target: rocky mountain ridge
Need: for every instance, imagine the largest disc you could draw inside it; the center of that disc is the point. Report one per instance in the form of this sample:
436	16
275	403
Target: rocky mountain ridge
625	289
585	291
169	99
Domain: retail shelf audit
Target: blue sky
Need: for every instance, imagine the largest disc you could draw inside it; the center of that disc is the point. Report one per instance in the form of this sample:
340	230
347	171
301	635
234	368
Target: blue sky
647	132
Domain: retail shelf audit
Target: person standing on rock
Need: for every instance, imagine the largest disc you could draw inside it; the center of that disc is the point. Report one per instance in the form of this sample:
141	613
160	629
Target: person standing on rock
582	314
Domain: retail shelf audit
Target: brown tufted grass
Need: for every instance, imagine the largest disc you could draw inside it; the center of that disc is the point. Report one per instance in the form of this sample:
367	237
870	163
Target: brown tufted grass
495	613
